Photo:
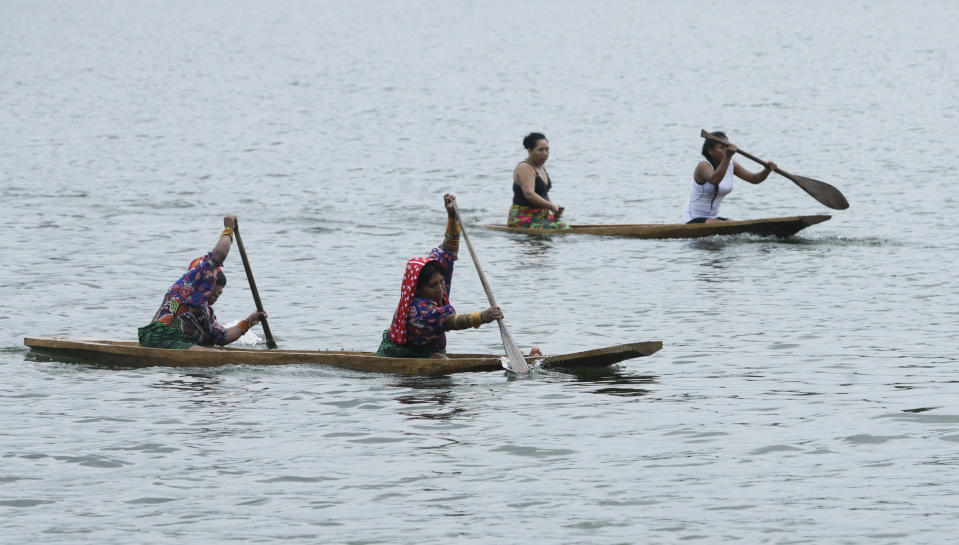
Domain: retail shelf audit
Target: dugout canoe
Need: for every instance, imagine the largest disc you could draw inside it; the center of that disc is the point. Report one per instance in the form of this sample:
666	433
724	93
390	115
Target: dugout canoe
779	227
130	354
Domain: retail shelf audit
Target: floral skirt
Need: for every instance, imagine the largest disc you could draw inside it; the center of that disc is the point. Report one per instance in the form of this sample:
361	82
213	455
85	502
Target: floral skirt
390	349
533	218
157	335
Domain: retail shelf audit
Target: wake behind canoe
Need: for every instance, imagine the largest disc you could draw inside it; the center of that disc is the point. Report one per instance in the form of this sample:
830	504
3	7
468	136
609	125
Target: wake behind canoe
779	227
131	354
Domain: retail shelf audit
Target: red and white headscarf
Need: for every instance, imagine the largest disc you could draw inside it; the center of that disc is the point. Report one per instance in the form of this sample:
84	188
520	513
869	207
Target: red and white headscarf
407	292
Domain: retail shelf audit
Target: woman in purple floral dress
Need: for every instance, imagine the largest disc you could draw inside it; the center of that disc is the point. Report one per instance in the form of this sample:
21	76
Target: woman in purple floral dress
186	319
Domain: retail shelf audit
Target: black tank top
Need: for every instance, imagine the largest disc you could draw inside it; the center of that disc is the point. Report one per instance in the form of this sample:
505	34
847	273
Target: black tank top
541	188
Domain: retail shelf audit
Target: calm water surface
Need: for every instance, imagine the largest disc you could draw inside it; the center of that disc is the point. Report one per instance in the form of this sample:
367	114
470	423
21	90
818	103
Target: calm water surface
806	391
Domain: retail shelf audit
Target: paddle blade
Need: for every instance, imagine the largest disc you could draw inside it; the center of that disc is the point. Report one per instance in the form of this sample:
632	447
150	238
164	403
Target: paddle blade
821	191
515	360
709	136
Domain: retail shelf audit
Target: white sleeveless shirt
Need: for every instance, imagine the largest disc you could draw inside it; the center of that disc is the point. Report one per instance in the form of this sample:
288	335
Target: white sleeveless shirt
701	203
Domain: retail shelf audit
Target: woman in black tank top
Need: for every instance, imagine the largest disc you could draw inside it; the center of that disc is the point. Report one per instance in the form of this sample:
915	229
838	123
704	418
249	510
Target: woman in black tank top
532	207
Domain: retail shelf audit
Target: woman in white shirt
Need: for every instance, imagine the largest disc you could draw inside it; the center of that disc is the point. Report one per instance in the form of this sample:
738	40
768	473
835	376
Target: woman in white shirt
714	180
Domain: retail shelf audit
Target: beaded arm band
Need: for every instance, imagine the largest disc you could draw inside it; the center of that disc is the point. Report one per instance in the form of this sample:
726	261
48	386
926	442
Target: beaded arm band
244	326
464	321
228	232
451	241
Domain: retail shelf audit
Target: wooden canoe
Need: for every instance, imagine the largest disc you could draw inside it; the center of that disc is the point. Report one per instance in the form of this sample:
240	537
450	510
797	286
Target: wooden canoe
130	354
780	227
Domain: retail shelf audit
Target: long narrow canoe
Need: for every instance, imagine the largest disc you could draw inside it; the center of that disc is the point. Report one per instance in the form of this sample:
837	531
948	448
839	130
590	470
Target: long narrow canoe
131	354
780	227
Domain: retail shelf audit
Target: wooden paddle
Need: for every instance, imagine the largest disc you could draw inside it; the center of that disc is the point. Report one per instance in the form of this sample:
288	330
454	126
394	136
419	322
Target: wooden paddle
516	361
821	191
270	343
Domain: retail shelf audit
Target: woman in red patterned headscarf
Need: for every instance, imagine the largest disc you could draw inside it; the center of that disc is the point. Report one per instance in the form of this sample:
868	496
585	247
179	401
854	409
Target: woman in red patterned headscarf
424	313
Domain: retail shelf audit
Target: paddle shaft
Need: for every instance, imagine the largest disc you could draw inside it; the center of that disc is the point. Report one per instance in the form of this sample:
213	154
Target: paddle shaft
270	343
718	140
517	361
748	155
479	268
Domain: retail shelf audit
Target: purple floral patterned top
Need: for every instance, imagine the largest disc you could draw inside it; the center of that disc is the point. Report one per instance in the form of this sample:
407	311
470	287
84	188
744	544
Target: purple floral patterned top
185	306
424	322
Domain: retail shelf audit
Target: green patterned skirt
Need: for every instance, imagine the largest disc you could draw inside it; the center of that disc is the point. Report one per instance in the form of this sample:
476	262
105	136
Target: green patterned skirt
390	349
157	335
533	218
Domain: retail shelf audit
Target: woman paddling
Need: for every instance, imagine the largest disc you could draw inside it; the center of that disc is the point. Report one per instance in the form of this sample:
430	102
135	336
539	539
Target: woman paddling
185	319
424	313
714	180
531	184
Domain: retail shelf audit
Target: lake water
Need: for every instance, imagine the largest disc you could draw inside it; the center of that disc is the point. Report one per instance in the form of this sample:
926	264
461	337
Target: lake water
806	391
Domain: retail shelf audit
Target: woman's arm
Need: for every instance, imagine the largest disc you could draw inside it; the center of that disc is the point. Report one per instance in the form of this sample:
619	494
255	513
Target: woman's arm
451	239
754	177
525	178
473	319
705	173
222	247
240	329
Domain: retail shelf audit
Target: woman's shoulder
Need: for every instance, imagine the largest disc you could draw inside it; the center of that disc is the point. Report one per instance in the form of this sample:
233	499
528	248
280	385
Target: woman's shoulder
703	171
524	172
524	165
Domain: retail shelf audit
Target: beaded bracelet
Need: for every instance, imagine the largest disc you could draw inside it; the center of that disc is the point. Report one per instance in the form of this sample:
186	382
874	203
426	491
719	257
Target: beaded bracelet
452	228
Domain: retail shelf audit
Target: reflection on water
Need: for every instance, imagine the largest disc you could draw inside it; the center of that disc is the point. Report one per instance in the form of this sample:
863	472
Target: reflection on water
423	383
438	391
623	385
622	392
612	380
866	242
439	398
204	384
713	270
711	244
38	356
534	246
719	242
445	415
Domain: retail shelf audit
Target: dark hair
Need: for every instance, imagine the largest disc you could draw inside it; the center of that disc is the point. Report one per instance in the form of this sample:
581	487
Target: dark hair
532	138
221	279
709	144
427	273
